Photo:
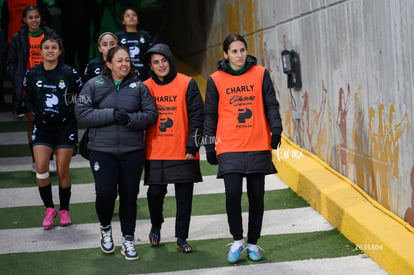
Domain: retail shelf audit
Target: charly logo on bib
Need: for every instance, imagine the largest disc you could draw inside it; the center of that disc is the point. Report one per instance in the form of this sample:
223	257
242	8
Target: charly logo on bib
62	84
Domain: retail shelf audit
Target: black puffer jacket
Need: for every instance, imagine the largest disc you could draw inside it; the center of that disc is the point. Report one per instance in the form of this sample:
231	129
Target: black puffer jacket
104	135
17	57
178	171
243	162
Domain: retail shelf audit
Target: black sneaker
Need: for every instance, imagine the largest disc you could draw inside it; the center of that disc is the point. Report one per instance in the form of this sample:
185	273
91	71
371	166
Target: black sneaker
155	235
107	243
183	246
128	248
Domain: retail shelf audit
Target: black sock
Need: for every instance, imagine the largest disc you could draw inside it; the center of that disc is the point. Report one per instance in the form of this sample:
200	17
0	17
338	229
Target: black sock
181	242
64	196
46	195
31	151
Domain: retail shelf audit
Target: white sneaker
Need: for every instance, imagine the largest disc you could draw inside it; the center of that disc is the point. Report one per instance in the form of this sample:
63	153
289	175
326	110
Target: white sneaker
128	248
33	167
52	166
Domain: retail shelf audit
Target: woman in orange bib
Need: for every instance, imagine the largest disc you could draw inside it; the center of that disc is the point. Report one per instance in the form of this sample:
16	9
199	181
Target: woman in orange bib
171	144
242	125
24	53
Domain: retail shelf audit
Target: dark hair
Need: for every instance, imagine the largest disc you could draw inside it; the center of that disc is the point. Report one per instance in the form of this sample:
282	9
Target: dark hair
125	10
110	56
27	9
230	39
55	38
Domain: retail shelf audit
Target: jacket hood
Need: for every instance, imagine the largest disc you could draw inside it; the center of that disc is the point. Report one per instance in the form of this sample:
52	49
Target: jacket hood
164	50
223	65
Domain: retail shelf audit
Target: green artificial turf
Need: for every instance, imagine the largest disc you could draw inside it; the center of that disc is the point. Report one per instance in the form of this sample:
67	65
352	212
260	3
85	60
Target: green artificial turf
206	254
18	179
31	216
13	126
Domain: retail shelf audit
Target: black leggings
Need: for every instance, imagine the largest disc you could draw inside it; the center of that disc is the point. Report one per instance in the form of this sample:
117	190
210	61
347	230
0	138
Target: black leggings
255	192
183	199
117	174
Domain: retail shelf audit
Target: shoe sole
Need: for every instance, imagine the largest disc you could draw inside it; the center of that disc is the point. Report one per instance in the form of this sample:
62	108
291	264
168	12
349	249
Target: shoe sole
258	260
108	251
129	258
235	262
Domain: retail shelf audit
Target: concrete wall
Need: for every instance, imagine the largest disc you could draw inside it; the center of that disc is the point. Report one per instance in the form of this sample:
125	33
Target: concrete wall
355	107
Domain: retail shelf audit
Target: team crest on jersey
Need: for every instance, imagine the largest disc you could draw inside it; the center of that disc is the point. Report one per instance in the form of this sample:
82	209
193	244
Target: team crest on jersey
133	85
62	84
142	40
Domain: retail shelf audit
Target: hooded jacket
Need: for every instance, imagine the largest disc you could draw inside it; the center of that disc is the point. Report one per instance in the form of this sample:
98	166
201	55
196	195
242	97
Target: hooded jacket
104	134
245	162
17	57
166	170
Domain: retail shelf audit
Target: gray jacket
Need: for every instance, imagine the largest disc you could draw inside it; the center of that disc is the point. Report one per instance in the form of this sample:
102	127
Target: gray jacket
131	96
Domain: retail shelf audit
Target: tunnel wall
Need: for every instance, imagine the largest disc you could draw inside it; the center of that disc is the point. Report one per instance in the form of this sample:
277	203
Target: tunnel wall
353	110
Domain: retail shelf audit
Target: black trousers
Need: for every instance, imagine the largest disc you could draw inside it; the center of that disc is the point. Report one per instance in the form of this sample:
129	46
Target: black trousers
117	174
183	199
255	193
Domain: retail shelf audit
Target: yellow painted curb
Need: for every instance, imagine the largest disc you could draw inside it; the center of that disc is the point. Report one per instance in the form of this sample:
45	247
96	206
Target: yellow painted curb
385	237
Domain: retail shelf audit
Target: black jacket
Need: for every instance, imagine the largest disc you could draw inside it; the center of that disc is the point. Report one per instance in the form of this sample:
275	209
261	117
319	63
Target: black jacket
104	134
242	162
177	171
93	68
17	57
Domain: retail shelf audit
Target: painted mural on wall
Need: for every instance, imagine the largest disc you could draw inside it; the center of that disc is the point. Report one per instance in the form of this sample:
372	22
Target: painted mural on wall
352	109
368	144
370	157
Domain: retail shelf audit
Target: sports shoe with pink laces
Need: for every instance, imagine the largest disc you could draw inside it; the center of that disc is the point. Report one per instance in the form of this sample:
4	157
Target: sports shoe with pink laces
64	217
49	217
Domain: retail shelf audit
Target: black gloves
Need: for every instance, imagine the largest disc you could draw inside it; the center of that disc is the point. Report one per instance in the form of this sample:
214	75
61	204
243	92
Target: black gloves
121	117
275	143
211	154
212	158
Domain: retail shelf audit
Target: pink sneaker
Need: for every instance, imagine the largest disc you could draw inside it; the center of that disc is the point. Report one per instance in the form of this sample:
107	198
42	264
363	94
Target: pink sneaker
49	217
64	217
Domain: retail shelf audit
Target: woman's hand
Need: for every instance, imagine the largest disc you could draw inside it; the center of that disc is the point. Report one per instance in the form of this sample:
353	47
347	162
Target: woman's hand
189	156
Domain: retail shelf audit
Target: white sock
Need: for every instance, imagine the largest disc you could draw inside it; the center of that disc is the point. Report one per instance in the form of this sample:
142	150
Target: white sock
252	246
239	243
